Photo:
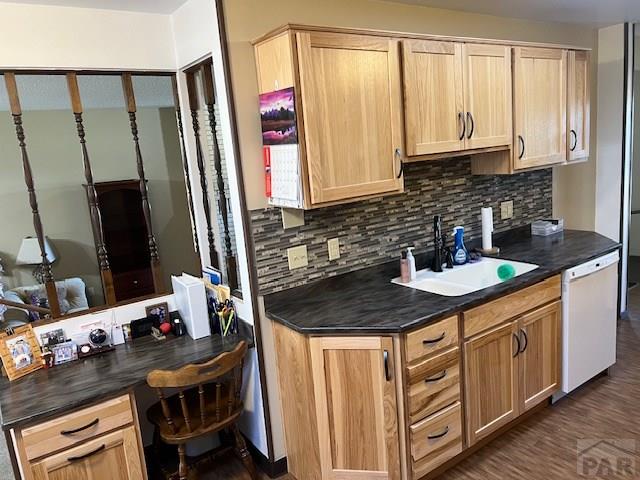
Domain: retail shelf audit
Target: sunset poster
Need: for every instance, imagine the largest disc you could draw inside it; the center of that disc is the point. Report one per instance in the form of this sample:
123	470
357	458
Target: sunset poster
278	116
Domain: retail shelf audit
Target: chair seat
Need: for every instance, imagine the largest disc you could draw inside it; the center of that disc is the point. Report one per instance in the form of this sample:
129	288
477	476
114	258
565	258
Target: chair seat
180	432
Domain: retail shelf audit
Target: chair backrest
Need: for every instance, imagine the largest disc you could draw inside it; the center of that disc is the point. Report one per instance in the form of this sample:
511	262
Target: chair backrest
225	371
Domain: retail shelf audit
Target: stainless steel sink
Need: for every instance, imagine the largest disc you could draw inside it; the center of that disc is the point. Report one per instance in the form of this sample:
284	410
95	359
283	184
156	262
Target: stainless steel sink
466	278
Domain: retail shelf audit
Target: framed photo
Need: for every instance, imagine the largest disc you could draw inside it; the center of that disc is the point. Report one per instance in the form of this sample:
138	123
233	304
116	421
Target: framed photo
64	352
160	310
20	352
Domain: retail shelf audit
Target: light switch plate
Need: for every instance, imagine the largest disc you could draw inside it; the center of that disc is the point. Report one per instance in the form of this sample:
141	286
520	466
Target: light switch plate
333	245
506	210
297	257
292	218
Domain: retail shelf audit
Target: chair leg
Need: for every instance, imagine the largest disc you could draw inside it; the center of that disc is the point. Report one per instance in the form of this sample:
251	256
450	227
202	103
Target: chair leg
243	453
182	469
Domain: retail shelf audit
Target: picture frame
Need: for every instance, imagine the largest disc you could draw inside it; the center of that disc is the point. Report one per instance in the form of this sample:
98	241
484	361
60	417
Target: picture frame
161	310
20	352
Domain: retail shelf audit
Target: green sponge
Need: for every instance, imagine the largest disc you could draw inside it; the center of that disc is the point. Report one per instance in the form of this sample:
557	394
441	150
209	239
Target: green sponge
506	271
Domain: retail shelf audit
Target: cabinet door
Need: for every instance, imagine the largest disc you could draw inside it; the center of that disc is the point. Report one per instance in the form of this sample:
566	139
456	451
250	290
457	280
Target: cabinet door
111	457
491	381
352	114
356	407
540	107
487	95
433	99
579	99
540	360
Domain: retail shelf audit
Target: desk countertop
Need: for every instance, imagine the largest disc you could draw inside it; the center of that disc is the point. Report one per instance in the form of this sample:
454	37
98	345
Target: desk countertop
49	393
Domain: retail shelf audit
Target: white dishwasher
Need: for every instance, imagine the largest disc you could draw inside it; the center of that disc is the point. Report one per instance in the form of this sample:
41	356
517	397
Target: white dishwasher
589	319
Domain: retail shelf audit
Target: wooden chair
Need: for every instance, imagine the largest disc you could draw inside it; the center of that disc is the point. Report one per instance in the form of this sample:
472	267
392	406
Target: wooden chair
208	401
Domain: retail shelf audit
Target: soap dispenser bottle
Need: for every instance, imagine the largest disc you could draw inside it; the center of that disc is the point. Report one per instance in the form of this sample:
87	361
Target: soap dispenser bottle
460	253
412	264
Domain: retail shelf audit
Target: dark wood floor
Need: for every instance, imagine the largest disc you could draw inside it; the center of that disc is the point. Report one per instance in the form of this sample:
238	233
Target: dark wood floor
544	447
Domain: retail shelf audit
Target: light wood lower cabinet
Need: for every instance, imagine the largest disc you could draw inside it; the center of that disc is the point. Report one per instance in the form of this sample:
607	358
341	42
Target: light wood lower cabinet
401	406
511	369
491	381
100	442
540	360
356	407
114	456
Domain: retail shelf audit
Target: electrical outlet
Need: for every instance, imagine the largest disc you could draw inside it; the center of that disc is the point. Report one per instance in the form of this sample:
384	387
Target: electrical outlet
297	257
506	210
333	245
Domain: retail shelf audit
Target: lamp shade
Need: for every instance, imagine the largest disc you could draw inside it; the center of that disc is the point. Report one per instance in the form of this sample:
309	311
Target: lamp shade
29	253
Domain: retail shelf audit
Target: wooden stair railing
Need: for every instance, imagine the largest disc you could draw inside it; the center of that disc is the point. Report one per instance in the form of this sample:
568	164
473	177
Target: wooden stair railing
209	100
156	267
94	210
16	112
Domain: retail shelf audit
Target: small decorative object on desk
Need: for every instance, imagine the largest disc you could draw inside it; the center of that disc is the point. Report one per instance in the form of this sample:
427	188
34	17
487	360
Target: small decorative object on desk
64	352
20	351
225	320
52	337
161	310
546	227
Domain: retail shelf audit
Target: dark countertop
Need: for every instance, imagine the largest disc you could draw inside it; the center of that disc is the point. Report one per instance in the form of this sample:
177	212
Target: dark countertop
366	302
52	392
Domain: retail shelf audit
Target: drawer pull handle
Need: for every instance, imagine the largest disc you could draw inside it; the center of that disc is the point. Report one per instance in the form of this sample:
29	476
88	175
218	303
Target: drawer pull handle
76	430
439	435
518	347
526	341
435	379
387	370
435	340
82	457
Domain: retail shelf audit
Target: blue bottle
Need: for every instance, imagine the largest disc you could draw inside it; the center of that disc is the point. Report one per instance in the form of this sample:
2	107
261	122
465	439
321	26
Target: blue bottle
460	254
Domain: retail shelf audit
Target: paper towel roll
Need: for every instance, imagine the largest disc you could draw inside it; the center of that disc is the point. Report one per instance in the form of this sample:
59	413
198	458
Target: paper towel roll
487	228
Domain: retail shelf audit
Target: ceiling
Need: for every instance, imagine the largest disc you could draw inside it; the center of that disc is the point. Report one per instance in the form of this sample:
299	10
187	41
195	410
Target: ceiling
597	13
149	6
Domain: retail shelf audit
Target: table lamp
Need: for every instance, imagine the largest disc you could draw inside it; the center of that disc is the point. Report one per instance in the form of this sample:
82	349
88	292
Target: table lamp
29	254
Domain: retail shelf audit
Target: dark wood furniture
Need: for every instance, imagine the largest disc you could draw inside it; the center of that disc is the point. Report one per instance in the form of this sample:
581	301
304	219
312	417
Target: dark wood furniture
208	401
125	238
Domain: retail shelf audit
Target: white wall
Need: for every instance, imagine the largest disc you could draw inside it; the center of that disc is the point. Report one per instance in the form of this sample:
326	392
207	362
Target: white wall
196	36
35	36
610	117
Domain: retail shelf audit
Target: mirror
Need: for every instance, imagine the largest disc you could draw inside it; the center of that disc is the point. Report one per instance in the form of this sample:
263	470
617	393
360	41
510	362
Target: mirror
222	252
116	247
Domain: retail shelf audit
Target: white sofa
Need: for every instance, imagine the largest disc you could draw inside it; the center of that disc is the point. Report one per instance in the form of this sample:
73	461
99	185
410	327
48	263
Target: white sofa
72	295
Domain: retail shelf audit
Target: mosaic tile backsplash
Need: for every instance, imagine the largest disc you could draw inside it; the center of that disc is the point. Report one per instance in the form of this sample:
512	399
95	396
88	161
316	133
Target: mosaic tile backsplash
374	231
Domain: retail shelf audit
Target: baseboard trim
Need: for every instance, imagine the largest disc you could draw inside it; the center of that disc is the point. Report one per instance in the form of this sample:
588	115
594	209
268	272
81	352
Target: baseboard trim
273	469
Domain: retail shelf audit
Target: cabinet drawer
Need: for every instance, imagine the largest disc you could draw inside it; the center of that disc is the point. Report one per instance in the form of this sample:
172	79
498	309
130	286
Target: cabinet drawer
76	427
433	384
432	338
435	440
494	313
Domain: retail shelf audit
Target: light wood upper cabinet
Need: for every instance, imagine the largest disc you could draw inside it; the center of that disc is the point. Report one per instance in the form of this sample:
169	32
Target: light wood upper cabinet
486	77
350	89
491	381
540	358
274	64
114	456
540	106
578	106
433	98
356	407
